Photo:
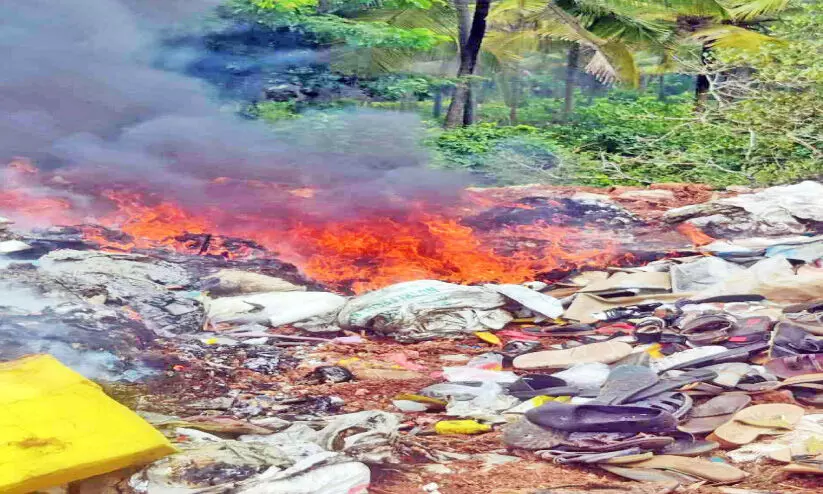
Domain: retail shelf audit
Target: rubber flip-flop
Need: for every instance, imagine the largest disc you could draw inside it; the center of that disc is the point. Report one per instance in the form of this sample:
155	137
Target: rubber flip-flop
585	457
788	382
752	422
525	434
706	389
677	404
727	403
603	444
602	418
635	358
800	468
709	470
560	330
708	329
528	387
689	446
515	348
672	383
812	398
741	354
730	373
704	425
696	448
625	381
684	358
792	339
605	352
649	474
796	365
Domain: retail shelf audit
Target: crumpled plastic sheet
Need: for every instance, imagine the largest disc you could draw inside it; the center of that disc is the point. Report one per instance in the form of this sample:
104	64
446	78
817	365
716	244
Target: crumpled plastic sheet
426	309
312	309
137	281
701	274
772	211
367	436
775	279
252	468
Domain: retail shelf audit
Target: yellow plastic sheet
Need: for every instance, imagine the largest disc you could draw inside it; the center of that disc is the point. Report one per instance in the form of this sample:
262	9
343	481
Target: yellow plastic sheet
460	427
57	426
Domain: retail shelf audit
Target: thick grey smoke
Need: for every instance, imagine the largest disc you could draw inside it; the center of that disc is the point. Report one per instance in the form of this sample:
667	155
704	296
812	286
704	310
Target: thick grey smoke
79	91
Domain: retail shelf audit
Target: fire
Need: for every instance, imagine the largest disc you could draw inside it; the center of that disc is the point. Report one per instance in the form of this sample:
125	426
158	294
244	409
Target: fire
694	234
356	253
32	203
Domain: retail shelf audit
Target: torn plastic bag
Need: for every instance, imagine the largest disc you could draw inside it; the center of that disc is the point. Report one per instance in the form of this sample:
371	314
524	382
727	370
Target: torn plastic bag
236	281
339	478
421	310
536	302
780	210
488	404
701	274
775	279
243	467
366	436
473	374
311	309
806	252
630	284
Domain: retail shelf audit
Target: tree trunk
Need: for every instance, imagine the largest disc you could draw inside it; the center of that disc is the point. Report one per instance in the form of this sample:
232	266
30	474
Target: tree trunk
469	52
571	70
457	107
437	108
514	98
323	6
661	87
701	87
470	110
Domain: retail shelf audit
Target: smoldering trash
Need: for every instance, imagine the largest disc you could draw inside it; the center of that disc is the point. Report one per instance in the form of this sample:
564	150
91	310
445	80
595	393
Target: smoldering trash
192	302
258	379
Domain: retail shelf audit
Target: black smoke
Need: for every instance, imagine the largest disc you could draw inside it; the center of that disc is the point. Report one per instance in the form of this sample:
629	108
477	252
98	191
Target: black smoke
81	92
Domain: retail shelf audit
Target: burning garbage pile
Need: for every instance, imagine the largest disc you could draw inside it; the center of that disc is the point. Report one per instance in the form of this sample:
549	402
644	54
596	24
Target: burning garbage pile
571	334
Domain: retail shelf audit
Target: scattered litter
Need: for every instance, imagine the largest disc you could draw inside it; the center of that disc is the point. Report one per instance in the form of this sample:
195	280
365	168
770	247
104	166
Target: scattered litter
646	367
59	427
419	310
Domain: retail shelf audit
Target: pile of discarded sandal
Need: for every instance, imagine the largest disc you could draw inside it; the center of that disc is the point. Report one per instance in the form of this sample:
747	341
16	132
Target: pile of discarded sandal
632	409
647	393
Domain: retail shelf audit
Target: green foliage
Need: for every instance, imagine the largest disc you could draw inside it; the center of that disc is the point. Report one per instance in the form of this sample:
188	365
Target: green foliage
398	87
767	130
510	154
273	111
303	15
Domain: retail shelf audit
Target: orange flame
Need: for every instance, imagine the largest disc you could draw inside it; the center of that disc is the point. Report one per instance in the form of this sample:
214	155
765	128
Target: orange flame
694	234
357	253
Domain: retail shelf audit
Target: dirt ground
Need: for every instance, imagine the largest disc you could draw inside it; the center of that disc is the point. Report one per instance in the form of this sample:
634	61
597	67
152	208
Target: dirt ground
522	473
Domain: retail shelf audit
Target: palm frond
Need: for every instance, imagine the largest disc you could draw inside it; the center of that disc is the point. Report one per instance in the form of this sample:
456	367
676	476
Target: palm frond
611	61
700	8
440	20
508	9
614	62
751	9
727	36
